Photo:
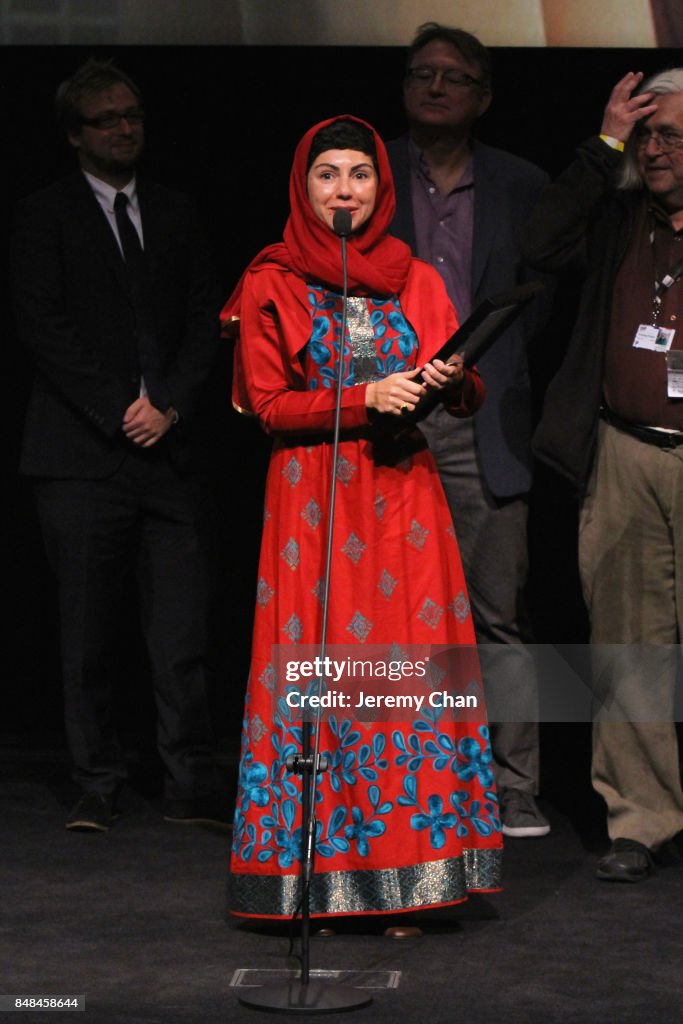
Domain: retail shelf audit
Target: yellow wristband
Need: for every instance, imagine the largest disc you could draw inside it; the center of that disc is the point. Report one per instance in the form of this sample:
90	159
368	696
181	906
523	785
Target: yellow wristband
614	143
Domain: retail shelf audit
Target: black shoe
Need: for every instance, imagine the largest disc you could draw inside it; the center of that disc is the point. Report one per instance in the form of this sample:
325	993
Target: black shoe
200	810
92	813
627	860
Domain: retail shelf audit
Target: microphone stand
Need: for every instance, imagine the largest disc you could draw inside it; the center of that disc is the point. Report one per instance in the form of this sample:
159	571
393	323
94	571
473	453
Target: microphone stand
301	995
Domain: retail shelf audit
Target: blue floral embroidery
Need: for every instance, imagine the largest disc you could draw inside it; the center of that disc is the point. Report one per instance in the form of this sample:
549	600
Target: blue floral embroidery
365	829
484	818
436	821
352	762
332	842
395	337
468	760
287	839
252	776
476	760
348	765
321	299
319	353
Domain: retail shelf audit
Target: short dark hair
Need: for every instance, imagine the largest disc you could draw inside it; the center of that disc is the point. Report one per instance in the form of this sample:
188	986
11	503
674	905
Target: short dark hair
91	78
343	133
467	45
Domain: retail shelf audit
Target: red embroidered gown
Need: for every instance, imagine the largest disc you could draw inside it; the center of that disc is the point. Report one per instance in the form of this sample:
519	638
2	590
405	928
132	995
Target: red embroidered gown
408	815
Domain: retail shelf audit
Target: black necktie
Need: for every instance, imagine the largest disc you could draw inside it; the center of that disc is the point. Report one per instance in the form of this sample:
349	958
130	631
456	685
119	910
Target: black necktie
130	240
148	351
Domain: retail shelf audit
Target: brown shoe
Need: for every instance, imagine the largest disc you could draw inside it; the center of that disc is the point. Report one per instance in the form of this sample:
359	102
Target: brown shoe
403	931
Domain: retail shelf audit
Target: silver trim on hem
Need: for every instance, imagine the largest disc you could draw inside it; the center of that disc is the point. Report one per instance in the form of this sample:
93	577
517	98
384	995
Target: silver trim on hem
384	890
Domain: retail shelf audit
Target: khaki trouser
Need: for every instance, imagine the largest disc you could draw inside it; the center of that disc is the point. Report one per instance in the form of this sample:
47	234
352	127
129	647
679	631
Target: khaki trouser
631	562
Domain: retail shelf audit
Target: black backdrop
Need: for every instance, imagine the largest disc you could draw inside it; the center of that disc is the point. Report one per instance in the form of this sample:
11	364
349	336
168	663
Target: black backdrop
222	125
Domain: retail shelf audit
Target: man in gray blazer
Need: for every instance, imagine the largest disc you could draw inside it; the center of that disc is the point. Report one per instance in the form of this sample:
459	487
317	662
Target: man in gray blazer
116	301
463	207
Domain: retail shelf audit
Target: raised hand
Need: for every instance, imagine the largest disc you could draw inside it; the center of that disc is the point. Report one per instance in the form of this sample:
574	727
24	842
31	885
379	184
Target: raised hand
623	110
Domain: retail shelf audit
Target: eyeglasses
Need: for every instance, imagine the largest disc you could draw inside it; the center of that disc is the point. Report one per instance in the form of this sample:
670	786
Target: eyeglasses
113	118
666	140
450	78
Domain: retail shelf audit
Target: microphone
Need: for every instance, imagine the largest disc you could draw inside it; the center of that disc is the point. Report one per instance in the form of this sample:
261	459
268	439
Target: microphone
341	223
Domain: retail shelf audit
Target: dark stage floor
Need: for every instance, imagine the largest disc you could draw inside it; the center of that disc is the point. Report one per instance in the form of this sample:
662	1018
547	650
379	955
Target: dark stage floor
135	920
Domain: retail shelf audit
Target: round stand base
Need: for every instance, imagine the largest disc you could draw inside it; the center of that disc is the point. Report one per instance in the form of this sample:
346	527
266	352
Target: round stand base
315	997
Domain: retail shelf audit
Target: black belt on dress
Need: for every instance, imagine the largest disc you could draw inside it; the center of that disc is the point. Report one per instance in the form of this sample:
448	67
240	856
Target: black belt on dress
660	438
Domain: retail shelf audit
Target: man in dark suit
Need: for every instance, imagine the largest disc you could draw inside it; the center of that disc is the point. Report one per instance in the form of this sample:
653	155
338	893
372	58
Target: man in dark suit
463	206
116	302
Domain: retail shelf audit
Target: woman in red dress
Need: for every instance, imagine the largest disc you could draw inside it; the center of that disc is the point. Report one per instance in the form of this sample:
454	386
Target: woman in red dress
407	815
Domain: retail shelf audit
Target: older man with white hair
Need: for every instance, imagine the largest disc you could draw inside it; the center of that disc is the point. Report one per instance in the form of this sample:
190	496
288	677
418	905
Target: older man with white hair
613	423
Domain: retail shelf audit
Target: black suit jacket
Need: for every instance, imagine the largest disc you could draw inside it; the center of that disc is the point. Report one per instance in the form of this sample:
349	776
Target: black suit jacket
505	191
73	313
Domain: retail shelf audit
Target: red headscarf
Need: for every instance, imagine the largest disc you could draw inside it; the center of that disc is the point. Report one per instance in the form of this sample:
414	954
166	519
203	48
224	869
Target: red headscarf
378	263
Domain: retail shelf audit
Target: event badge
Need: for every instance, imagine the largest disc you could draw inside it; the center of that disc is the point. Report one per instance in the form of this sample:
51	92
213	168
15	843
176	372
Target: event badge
657	339
674	374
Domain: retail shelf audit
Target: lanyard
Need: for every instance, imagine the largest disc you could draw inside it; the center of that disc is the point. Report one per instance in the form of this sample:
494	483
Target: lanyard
666	281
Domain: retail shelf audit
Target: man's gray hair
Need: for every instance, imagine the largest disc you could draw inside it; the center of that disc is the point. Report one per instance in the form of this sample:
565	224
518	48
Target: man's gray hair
669	81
